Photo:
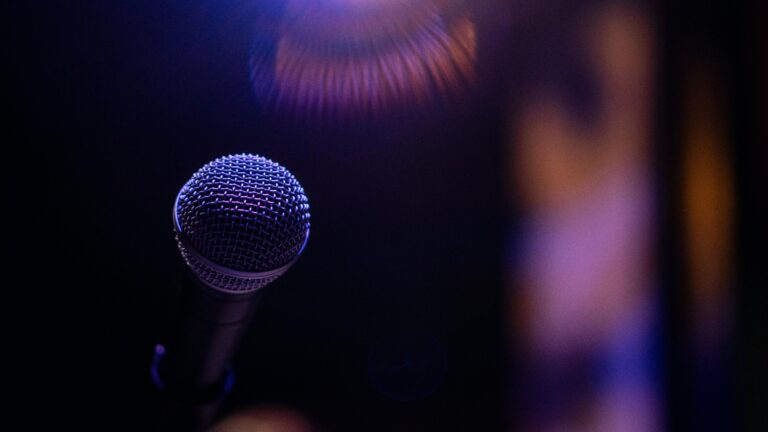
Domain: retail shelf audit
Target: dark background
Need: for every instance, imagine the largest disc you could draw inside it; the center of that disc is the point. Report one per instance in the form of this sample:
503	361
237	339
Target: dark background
116	104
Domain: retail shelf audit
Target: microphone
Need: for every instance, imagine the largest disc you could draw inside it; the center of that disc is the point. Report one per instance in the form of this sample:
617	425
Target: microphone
241	221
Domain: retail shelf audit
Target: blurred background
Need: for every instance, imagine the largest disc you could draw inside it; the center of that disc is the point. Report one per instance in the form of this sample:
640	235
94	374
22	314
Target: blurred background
526	216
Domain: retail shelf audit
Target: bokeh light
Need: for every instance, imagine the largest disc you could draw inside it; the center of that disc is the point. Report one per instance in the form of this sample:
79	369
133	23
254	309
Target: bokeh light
353	59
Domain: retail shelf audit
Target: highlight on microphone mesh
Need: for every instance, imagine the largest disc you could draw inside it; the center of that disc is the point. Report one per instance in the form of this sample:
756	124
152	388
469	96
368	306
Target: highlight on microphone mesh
358	59
241	221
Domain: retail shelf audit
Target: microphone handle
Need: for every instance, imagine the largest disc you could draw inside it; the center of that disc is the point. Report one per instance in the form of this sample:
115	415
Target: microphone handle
194	371
211	324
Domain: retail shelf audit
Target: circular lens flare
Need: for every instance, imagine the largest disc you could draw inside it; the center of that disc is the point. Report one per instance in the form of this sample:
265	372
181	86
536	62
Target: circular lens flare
349	58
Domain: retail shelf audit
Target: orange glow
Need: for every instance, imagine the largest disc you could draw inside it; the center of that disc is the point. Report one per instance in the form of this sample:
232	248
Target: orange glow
708	206
264	419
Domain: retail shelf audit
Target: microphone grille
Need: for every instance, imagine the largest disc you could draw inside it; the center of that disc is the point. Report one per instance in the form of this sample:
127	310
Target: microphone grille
240	222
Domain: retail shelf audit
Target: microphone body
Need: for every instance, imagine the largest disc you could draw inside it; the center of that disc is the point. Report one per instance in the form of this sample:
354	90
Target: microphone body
209	328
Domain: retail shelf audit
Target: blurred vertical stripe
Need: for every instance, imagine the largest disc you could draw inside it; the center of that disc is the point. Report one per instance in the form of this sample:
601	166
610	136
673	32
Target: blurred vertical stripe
708	217
583	302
